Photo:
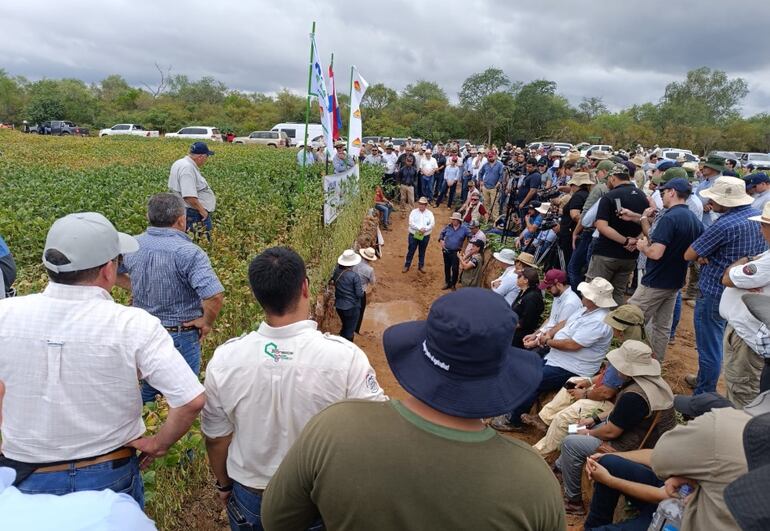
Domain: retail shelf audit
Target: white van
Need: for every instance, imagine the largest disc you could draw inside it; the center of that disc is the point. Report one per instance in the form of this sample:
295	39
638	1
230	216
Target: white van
296	132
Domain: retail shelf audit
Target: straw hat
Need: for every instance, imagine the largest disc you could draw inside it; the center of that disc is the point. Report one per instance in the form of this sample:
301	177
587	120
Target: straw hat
457	216
368	253
528	260
423	200
634	358
638	160
580	178
544	208
598	291
765	216
599	155
349	258
728	192
506	256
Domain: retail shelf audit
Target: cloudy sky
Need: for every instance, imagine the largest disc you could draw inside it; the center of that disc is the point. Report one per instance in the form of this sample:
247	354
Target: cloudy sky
624	52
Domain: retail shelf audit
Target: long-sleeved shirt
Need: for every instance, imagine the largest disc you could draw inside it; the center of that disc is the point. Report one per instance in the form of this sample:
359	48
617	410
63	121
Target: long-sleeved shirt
421	221
452	173
407	175
348	289
342	163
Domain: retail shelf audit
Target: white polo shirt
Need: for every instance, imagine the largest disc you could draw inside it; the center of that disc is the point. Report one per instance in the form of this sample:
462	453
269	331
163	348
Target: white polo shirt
428	166
751	276
265	386
71	359
589	330
186	179
562	308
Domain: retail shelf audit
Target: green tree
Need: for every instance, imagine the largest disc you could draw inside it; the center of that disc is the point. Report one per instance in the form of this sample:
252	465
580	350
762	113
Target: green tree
705	97
12	98
590	108
538	109
478	86
378	97
45	101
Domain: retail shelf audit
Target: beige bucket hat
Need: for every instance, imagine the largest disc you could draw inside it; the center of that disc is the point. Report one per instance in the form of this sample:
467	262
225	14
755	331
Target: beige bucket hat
728	192
598	291
527	259
580	178
634	358
368	253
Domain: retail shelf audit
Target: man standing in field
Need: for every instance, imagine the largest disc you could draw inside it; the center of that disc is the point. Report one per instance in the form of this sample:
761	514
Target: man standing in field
172	279
186	180
265	386
70	357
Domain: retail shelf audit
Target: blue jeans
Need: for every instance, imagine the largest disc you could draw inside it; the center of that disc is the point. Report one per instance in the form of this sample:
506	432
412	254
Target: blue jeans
710	329
605	499
413	245
427	187
385	213
553	379
189	346
194	221
677	314
244	510
125	478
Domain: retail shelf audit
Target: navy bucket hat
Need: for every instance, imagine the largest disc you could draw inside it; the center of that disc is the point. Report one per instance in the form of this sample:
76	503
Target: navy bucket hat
460	360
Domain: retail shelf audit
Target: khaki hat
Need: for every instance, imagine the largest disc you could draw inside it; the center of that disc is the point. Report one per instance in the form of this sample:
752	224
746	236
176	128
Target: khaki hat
691	168
728	192
634	358
599	155
349	258
368	253
624	316
607	165
599	291
423	200
527	259
580	178
638	160
765	216
339	143
506	256
544	208
457	216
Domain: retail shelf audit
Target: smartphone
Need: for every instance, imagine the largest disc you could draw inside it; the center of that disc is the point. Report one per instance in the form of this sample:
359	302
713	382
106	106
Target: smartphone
569	385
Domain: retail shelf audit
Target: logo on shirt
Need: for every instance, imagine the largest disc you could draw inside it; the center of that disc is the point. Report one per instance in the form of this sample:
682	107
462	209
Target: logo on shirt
750	269
371	383
272	350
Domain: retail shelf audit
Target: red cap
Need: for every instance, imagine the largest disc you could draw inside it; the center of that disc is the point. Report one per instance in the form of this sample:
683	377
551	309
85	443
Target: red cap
552	277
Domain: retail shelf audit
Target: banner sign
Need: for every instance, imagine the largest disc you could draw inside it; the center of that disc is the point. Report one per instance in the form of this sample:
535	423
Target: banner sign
336	188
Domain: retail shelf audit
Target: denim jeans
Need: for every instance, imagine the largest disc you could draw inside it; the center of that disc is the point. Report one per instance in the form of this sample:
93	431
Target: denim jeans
605	499
427	187
189	346
385	213
125	478
677	314
708	341
349	320
553	379
244	510
451	267
578	260
413	245
194	222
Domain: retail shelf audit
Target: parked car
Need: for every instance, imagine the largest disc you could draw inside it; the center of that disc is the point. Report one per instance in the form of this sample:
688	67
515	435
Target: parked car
265	138
128	129
375	139
671	153
400	140
760	161
296	132
200	132
725	154
61	128
596	147
581	146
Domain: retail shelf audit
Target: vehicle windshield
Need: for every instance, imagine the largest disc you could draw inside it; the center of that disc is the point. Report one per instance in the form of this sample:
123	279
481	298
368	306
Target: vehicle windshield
759	156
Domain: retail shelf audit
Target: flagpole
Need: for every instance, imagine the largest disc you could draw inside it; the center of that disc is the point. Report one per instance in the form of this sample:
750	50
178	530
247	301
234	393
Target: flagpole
307	107
331	68
350	109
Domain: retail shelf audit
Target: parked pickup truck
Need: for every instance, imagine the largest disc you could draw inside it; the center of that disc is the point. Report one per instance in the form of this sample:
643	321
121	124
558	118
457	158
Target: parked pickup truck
61	128
128	129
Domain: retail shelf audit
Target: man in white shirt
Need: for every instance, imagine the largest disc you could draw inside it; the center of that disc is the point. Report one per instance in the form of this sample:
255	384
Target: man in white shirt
186	179
421	223
263	387
505	285
565	303
428	166
389	158
71	359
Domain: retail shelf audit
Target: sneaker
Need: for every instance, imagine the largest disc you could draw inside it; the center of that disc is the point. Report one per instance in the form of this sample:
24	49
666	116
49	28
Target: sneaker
420	269
502	423
535	421
691	380
405	269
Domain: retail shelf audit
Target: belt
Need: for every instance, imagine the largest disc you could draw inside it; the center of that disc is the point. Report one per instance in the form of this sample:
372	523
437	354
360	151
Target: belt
180	328
120	453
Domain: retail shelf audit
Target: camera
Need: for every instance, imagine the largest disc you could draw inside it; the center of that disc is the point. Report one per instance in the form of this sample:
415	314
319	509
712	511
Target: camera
547	194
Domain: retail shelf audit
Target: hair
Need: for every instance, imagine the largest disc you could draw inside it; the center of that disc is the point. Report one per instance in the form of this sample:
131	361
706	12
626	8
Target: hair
276	276
70	278
532	276
532	161
569	164
622	176
479	244
164	209
683	195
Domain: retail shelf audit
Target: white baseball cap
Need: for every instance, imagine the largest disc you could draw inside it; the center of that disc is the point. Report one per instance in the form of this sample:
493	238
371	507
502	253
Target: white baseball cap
87	239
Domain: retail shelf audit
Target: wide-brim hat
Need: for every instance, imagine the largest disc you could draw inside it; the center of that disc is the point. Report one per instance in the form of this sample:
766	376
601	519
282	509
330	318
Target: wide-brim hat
624	316
506	256
368	253
457	216
349	258
599	155
423	200
696	405
728	192
634	358
715	163
544	208
638	160
527	259
460	360
599	291
764	217
580	178
339	143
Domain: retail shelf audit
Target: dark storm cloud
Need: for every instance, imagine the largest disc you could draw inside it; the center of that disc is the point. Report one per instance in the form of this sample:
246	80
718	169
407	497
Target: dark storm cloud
624	52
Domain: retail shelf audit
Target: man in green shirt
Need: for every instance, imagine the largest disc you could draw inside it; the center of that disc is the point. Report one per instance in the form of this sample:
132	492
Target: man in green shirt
428	461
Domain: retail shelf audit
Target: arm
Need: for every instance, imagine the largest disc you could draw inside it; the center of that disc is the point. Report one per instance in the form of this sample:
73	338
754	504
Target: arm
608	232
606	432
574	215
690	254
639	491
211	309
654	251
196	204
567	345
217	449
726	280
530	194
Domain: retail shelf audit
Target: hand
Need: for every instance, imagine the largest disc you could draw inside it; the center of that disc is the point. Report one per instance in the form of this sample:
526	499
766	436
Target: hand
642	244
577	394
702	260
149	450
203	326
585	383
443	245
673	483
587	422
597	472
631	245
224	496
204	215
649	213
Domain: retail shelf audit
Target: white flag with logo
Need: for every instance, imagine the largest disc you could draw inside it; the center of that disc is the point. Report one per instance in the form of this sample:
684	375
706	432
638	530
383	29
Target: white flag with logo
355	130
318	89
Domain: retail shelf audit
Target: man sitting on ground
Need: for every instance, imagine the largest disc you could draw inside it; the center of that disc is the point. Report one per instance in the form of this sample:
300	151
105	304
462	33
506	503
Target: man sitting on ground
565	303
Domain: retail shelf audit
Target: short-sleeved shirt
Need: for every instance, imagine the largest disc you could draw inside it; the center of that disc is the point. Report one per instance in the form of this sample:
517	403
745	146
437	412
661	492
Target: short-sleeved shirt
760	200
730	237
186	180
633	199
576	202
754	275
508	287
532	180
428	166
453	238
589	330
265	386
598	191
676	229
170	276
366	273
630	410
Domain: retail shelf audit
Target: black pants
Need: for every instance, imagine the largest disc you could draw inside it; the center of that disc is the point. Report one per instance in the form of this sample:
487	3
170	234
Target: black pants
361	314
451	267
349	319
764	381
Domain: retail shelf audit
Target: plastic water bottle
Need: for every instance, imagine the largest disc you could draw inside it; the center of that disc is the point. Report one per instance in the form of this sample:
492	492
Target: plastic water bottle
670	512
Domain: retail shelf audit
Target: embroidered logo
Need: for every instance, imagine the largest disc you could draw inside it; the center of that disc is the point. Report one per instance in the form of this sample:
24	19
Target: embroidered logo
272	350
750	269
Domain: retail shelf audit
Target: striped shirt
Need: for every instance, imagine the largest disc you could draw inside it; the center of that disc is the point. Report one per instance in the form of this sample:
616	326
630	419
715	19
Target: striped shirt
170	275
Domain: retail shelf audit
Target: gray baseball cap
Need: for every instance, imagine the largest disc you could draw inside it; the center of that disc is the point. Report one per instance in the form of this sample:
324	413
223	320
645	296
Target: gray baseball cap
87	239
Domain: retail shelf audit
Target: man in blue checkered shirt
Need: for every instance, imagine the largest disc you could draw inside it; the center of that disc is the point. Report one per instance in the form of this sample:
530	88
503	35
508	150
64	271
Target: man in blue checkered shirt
732	237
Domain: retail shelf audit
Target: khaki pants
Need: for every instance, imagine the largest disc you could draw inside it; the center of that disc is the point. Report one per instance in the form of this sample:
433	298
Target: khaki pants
658	307
616	271
560	412
743	368
691	290
488	195
407	195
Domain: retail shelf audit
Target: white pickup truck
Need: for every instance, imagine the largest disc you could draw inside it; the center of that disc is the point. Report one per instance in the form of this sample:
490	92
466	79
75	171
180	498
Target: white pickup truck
128	129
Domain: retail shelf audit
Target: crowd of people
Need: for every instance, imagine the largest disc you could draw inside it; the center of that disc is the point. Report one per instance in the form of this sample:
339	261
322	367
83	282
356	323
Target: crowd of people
300	435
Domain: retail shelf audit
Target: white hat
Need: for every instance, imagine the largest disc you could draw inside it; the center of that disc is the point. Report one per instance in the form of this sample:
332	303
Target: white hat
86	239
544	208
764	217
349	258
728	192
506	256
598	291
368	253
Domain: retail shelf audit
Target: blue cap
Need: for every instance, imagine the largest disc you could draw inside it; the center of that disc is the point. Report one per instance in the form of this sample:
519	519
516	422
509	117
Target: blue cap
200	148
756	178
664	164
679	184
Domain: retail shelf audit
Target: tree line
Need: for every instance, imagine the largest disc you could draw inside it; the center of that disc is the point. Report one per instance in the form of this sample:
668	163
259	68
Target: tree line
700	112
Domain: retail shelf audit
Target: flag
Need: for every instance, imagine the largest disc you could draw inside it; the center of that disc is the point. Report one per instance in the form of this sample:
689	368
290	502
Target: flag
359	86
318	89
334	107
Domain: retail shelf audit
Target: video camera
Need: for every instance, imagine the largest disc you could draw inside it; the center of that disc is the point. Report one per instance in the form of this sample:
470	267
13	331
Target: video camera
545	195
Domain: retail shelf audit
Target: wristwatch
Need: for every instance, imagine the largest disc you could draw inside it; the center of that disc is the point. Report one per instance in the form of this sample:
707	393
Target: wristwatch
226	488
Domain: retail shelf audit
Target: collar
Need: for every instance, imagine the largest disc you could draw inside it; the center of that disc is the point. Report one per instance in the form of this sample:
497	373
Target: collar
168	232
289	330
75	293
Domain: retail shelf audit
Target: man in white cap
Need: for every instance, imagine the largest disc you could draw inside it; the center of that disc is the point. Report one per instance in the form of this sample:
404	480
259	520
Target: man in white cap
71	359
731	237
